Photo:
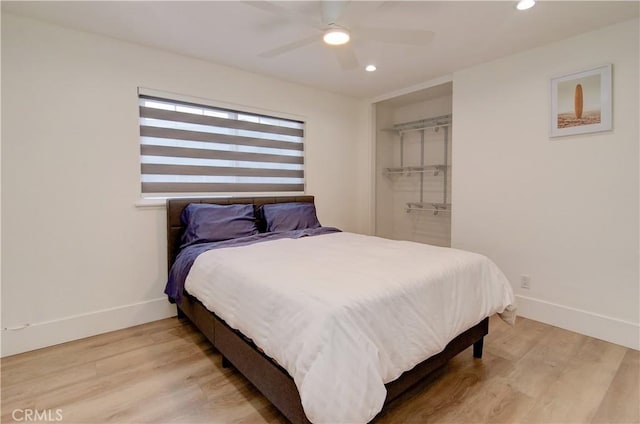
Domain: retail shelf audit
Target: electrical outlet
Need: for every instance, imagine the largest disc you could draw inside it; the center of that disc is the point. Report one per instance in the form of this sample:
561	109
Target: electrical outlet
525	281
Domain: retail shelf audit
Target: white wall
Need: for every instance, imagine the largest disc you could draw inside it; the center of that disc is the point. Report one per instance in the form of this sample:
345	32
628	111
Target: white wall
78	258
562	210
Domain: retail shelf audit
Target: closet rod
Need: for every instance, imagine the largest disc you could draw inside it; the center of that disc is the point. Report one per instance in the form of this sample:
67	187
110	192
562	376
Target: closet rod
409	170
422	128
435	211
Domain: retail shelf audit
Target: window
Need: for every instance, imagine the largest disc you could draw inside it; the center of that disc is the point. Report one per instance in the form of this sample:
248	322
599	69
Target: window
191	149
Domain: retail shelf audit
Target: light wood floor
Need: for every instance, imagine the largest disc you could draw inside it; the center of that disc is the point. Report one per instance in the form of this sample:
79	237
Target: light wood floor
166	371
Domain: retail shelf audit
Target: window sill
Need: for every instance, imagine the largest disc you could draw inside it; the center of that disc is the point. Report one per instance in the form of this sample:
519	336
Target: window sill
151	203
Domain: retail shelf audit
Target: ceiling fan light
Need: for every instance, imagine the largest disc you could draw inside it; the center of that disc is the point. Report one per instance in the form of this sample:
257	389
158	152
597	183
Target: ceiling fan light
336	36
525	4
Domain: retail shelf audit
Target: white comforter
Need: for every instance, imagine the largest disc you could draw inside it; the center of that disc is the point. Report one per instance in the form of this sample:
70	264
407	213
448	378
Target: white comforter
346	313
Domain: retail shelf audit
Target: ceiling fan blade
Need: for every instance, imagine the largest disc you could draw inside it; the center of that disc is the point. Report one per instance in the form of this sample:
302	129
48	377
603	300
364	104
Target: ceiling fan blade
397	36
289	47
332	10
346	57
289	14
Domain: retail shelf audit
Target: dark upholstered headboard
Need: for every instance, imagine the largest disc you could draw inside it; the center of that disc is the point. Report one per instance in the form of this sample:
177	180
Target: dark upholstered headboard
175	207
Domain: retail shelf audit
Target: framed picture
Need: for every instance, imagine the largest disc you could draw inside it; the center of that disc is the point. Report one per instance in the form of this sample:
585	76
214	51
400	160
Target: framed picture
581	102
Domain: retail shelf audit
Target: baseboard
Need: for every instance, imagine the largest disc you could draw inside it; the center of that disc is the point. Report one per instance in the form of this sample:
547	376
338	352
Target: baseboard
49	333
614	330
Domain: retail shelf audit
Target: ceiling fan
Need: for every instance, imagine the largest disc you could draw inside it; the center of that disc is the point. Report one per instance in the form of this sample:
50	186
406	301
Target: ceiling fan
336	35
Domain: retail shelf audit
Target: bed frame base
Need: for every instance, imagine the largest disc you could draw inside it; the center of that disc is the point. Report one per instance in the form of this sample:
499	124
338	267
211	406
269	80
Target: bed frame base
276	384
272	380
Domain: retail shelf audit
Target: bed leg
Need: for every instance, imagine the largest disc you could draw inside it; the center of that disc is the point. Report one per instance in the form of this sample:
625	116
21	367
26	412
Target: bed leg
180	313
477	348
225	362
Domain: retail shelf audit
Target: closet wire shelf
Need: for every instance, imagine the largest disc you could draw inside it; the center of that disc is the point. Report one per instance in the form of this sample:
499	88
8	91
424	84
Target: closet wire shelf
435	208
422	124
436	123
410	170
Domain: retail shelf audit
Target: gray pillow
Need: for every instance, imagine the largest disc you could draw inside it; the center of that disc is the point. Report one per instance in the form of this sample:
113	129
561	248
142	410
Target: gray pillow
290	216
207	223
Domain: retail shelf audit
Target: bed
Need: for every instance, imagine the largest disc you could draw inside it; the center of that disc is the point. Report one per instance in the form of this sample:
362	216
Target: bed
240	351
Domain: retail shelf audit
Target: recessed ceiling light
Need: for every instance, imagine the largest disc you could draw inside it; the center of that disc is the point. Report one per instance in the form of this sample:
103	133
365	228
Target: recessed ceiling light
525	4
336	36
370	68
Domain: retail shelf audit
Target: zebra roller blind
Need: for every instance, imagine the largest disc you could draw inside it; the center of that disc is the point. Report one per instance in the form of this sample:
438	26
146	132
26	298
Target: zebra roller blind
188	148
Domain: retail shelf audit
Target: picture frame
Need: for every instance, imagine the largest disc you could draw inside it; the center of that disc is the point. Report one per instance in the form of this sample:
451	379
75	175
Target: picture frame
581	102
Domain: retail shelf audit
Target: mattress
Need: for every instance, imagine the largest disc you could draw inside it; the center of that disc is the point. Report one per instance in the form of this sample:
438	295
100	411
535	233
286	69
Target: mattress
346	313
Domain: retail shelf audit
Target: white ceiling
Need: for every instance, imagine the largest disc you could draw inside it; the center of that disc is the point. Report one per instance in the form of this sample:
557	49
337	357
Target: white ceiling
234	33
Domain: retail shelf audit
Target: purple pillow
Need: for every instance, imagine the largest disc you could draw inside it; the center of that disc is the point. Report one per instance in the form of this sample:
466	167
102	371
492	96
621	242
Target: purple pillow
290	216
207	222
